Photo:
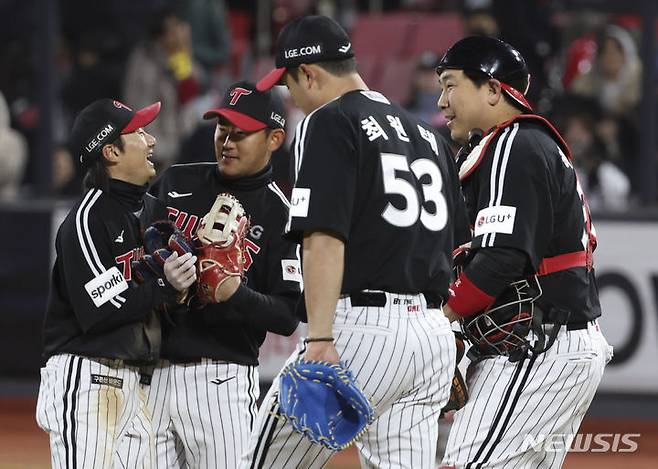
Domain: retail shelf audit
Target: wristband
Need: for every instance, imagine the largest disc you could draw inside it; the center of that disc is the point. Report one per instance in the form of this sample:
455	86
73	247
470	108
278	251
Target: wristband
318	339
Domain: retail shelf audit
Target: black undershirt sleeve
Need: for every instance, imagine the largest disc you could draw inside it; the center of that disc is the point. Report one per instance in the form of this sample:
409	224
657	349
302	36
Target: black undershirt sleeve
493	269
273	313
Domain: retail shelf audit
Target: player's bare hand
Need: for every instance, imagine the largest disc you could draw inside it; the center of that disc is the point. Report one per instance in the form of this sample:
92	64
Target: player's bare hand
322	351
227	288
180	270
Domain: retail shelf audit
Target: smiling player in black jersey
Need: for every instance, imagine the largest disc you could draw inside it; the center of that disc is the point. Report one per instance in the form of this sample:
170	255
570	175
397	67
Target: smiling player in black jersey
203	393
530	221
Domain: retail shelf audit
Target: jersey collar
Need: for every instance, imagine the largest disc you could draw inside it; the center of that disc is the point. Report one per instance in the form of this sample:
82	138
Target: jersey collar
260	179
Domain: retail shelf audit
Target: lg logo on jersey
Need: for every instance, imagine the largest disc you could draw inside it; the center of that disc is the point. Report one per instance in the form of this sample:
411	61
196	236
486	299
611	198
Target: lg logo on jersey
496	219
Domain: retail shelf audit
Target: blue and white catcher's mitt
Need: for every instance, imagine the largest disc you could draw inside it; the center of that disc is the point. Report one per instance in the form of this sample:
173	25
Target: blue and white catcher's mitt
322	402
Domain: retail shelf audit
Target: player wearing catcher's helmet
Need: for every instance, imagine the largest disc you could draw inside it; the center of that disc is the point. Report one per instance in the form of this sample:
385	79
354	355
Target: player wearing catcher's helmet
526	293
203	393
101	325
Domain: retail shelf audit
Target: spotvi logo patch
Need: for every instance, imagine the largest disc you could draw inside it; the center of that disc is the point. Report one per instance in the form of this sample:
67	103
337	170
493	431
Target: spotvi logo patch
106	286
583	442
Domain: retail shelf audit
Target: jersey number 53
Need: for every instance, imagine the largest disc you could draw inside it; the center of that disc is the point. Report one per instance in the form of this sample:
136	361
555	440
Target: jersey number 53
414	208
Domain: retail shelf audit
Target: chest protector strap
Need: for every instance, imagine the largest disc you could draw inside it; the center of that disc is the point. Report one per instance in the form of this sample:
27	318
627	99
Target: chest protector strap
548	265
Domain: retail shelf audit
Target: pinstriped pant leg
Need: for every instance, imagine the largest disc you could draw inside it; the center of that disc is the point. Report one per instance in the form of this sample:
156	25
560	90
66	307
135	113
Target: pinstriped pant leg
214	410
86	406
405	433
525	415
168	446
274	444
137	442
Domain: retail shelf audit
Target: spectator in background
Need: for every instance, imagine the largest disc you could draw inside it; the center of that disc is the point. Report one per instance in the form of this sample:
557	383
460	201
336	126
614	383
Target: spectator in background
615	83
606	185
479	19
211	36
425	90
67	180
616	78
163	69
527	25
13	155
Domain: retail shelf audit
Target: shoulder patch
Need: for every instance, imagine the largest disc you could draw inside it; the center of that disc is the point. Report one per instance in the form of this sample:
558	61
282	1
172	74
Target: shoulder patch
299	202
496	219
106	286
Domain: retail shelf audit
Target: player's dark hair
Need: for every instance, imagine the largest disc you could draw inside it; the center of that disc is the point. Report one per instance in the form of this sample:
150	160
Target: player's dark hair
337	68
97	175
480	79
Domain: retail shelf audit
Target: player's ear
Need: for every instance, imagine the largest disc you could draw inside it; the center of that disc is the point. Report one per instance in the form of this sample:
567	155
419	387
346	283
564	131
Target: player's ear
494	92
110	152
307	75
275	139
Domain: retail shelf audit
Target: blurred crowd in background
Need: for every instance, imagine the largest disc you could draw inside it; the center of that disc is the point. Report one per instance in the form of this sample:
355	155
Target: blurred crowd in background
585	66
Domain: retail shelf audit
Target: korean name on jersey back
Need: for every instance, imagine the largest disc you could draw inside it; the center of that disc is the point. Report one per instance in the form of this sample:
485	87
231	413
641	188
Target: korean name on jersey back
106	286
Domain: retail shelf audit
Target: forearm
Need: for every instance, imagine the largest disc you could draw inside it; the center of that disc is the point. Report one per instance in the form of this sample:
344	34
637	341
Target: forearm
323	259
274	313
485	278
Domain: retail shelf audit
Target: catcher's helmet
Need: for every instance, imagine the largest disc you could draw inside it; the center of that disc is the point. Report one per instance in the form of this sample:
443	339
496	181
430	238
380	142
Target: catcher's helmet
494	58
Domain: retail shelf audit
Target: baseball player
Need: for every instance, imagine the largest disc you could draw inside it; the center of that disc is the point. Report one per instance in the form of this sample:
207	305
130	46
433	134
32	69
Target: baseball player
374	205
530	218
100	325
203	393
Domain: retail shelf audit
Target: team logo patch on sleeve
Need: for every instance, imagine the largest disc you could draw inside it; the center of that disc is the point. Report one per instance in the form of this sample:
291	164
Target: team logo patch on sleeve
106	286
291	270
299	202
497	219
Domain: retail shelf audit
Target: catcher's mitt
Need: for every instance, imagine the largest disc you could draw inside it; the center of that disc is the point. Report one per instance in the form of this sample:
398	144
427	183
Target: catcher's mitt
220	243
161	238
322	402
458	389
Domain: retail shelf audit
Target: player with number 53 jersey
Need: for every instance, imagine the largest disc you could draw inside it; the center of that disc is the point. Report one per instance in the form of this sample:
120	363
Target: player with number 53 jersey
378	177
375	206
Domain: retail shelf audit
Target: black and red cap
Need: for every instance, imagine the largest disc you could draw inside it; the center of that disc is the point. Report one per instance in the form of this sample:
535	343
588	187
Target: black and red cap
249	109
307	40
103	121
496	59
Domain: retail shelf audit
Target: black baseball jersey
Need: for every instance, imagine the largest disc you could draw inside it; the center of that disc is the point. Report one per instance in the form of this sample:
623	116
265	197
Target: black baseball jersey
95	309
384	182
222	331
522	193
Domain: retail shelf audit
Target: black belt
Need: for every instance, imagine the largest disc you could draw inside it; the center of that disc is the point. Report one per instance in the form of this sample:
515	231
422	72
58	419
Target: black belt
575	326
378	299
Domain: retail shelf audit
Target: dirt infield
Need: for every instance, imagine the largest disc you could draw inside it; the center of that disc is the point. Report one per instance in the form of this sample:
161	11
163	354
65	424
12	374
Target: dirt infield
24	446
